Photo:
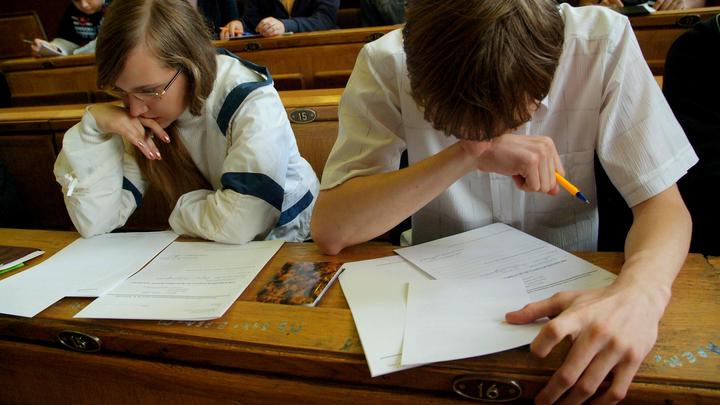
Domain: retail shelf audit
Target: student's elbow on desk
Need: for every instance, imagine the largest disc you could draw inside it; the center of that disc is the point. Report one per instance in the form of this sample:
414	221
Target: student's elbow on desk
325	231
324	238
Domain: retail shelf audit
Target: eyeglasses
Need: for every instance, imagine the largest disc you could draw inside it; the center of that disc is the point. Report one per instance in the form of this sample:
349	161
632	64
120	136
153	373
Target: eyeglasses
143	96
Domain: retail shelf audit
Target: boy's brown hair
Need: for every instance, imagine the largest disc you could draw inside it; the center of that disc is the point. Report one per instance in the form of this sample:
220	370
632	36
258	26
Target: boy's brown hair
176	34
477	66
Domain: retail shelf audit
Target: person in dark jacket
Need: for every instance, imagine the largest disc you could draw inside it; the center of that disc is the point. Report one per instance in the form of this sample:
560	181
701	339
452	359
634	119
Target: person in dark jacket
375	13
218	14
691	88
276	17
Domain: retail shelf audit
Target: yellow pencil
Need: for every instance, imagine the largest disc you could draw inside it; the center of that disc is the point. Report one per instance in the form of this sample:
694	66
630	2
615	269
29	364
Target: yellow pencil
570	188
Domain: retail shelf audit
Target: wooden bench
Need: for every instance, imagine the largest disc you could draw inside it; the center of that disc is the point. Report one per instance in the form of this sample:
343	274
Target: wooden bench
16	27
294	61
657	32
31	137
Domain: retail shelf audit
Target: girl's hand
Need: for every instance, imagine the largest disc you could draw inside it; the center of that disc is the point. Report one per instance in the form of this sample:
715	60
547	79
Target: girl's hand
140	132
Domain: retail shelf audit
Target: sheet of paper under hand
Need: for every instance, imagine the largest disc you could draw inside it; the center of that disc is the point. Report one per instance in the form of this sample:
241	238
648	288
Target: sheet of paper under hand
456	319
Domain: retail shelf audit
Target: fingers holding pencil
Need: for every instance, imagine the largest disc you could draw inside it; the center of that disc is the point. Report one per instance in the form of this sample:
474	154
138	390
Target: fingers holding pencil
562	181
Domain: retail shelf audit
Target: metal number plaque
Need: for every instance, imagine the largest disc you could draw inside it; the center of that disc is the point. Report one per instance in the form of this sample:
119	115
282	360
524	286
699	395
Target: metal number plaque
487	389
78	341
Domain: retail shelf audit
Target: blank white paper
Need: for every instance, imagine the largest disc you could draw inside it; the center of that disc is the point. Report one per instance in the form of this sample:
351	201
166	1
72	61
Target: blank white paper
456	319
375	291
84	268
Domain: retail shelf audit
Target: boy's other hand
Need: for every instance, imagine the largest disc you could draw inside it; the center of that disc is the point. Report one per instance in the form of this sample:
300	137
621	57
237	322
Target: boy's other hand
530	160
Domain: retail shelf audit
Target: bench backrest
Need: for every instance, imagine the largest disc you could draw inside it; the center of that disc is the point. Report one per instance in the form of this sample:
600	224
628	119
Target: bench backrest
310	60
16	27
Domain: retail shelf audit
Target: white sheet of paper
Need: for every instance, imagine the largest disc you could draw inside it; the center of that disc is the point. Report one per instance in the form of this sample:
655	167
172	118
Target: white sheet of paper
457	319
501	251
85	268
375	291
187	281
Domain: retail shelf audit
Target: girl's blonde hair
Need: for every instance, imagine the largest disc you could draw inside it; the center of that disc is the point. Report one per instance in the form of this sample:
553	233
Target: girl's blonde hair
174	32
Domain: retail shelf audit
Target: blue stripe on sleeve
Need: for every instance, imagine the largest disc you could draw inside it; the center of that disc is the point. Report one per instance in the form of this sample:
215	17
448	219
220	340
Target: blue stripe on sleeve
127	185
296	209
257	185
240	92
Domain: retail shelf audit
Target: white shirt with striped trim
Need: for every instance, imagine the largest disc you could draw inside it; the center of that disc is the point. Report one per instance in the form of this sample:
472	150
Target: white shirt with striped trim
603	100
262	187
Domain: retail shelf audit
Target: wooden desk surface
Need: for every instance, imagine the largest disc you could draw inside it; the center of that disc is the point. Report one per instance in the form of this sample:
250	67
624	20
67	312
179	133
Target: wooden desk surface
62	117
266	353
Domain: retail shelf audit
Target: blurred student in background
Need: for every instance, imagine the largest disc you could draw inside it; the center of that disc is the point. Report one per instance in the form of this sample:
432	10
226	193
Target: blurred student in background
207	130
217	13
78	28
375	13
273	18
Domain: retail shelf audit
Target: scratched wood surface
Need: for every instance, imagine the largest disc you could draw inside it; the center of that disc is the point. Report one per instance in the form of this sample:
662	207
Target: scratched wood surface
261	344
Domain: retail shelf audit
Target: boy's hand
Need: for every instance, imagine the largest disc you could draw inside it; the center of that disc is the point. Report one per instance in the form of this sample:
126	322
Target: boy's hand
612	330
140	132
270	27
669	5
606	3
530	160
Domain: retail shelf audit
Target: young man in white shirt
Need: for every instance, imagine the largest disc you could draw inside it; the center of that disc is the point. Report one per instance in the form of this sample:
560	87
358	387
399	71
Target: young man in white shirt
491	99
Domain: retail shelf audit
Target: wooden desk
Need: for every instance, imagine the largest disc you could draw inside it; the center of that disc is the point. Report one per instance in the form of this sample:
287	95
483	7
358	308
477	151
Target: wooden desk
266	353
657	32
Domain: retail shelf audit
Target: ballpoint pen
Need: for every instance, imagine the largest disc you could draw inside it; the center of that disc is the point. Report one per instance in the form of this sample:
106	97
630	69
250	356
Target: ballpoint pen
570	188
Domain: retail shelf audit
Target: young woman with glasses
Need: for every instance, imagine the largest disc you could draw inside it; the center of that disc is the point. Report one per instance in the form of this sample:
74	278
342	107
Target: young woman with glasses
206	129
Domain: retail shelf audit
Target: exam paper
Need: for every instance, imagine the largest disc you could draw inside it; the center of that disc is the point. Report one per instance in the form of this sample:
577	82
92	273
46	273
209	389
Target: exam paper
455	319
84	268
375	291
188	281
501	251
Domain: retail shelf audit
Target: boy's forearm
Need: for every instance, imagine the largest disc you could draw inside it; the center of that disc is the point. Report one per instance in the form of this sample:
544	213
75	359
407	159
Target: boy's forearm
657	244
365	207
